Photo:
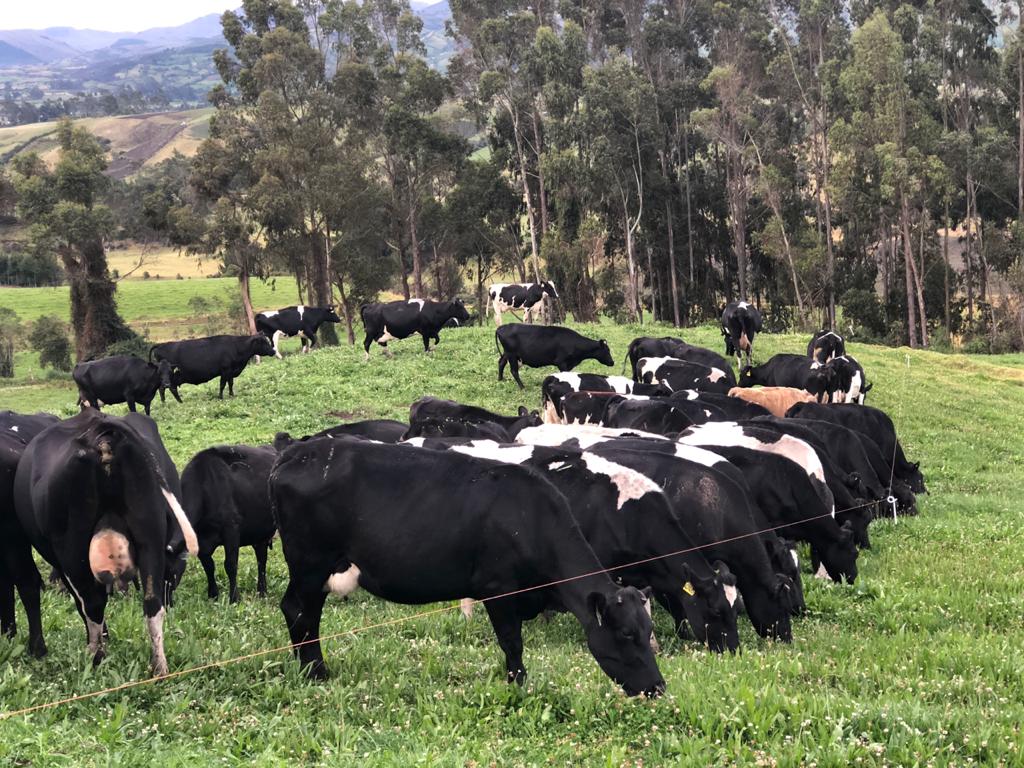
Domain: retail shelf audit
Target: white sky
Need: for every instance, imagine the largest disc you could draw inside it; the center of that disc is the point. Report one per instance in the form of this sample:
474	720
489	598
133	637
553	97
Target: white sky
107	15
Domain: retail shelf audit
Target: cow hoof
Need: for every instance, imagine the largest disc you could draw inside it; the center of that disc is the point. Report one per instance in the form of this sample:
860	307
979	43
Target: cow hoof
98	657
317	671
517	676
235	599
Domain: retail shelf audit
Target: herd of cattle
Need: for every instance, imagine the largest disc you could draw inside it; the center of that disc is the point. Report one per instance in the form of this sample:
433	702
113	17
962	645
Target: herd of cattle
679	485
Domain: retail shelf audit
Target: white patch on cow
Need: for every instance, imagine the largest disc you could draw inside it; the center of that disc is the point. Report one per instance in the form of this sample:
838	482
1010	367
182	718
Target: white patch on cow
650	365
278	335
821	573
691	394
419	302
716	374
630	483
550	413
698	455
572	379
731	594
94	631
343	584
386	336
270	313
15	427
853	393
301	310
155	626
796	558
729	433
620	384
585	434
707	413
466	605
815	365
417	442
191	543
489	449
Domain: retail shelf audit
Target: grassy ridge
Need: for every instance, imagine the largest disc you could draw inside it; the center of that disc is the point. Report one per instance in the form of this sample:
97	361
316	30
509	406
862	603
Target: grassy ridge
918	663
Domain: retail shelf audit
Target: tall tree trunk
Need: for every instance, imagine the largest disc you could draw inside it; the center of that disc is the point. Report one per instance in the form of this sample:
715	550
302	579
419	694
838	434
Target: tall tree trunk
530	218
346	311
633	302
481	311
94	316
243	288
654	296
908	269
542	195
1020	114
414	244
673	285
689	205
918	281
737	213
945	272
321	284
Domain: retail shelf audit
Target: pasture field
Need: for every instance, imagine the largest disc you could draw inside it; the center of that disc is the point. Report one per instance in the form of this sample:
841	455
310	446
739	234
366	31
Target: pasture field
918	663
161	262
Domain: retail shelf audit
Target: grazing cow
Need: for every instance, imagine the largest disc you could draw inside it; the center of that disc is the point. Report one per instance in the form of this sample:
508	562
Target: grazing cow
504	297
708	495
585	407
775	400
877	425
121	379
740	323
680	374
474	528
437	410
538	346
97	496
224	493
197	361
661	416
825	345
625	517
17	566
669	346
556	386
381	430
784	370
849	384
400	319
300	321
438	428
723	407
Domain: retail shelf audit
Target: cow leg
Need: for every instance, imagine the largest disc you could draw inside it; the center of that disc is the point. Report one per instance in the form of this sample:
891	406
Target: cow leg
146	406
513	364
29	585
261	567
157	657
231	567
508	628
91	601
211	574
223	382
502	361
7	623
131	406
497	314
302	609
426	342
276	338
151	574
231	387
366	347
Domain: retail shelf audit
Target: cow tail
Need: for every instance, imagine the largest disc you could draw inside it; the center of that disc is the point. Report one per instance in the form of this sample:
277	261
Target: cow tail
626	359
497	344
150	358
362	311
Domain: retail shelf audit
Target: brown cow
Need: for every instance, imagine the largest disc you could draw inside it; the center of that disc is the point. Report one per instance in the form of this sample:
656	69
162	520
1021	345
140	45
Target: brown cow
777	400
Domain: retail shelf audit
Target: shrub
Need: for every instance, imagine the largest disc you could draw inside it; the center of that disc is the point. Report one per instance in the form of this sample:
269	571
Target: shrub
49	338
10	331
137	345
865	314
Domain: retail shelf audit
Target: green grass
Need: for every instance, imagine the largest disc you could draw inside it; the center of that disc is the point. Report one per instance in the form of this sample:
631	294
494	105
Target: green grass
917	664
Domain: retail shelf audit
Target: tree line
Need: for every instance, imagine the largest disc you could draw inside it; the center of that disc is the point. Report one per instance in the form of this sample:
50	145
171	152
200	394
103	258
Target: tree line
654	158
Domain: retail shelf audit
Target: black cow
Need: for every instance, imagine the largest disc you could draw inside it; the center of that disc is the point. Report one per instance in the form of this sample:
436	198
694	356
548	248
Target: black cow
197	361
877	425
709	496
661	416
723	407
439	427
681	374
436	410
849	384
17	566
300	321
555	387
381	430
626	518
787	370
825	345
669	346
121	379
586	407
224	493
507	296
401	319
97	496
473	528
740	323
538	346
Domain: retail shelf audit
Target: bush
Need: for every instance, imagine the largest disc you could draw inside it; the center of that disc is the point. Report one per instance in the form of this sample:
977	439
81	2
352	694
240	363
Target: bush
865	314
10	331
49	338
137	345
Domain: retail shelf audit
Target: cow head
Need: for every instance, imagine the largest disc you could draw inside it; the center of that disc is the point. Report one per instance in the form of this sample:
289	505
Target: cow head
710	603
747	378
619	636
840	555
784	561
262	345
603	353
457	311
549	288
165	378
527	418
769	606
331	316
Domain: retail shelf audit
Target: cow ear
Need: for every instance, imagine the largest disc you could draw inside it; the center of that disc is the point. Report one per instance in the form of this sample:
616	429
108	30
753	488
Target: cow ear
597	604
523	411
648	593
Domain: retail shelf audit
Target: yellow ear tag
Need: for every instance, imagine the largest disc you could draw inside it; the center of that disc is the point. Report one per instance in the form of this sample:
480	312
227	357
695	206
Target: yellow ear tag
688	589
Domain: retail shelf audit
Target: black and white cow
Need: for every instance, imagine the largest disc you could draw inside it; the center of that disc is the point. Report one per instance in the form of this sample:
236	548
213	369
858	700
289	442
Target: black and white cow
224	493
849	384
440	412
669	346
825	345
722	407
681	374
197	361
97	496
300	321
121	379
877	425
17	566
504	297
555	387
626	518
662	416
708	496
741	321
786	370
474	528
540	346
396	320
